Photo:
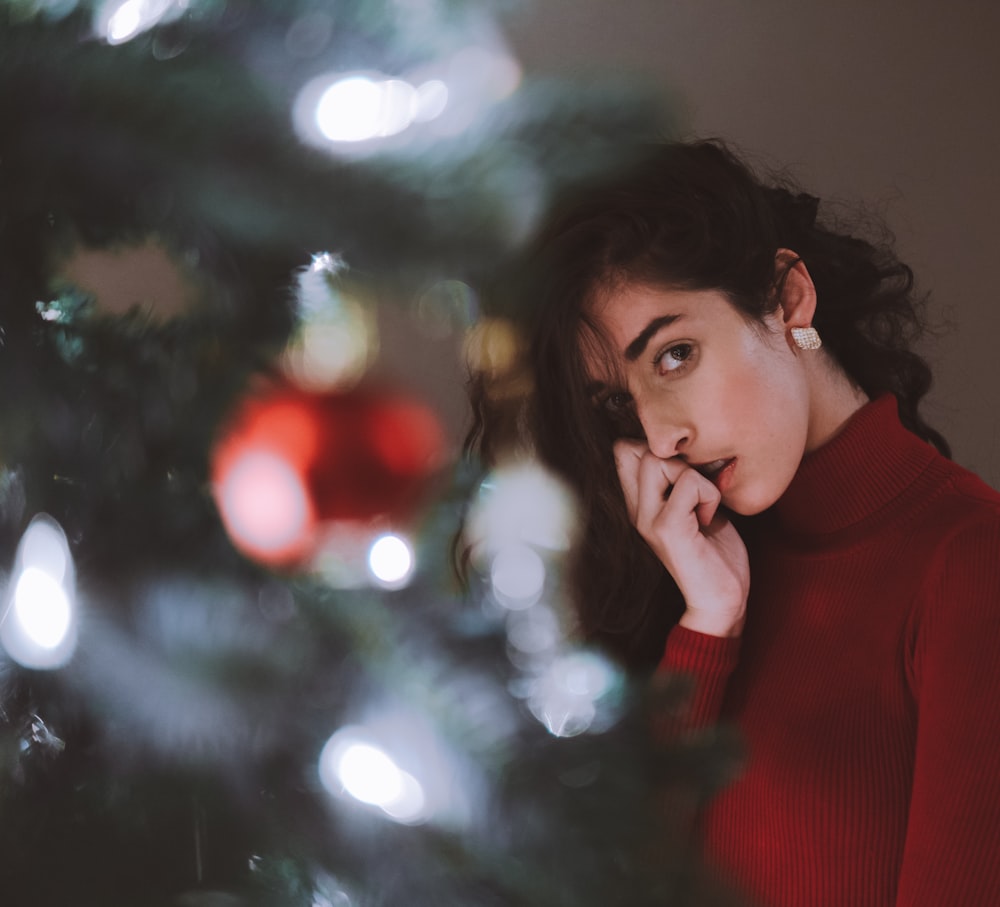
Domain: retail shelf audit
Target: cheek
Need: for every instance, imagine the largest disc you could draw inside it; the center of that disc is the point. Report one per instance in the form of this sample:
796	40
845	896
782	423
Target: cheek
764	391
772	409
776	378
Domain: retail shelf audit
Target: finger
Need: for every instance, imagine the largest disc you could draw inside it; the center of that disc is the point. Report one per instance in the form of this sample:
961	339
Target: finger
656	478
709	499
693	493
628	456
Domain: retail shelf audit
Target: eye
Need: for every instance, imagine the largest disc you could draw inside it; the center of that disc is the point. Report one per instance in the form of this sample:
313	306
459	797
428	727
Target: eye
621	420
674	358
618	401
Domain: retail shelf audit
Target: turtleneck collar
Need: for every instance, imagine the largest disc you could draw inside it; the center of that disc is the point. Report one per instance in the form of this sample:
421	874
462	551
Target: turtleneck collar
865	466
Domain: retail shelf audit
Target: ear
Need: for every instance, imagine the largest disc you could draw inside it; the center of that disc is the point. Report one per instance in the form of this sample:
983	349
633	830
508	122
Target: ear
797	299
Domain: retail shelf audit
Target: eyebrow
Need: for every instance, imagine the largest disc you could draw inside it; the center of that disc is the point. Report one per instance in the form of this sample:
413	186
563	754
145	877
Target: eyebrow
634	350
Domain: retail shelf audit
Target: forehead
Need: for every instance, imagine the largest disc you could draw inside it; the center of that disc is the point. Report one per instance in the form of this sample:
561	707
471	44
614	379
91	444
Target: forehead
638	312
621	314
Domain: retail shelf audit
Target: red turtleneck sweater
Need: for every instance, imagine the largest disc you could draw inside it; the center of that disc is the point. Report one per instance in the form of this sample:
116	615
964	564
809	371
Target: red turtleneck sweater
866	684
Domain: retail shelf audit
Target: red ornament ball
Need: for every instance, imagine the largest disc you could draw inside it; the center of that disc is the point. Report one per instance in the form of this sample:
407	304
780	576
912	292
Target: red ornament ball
290	461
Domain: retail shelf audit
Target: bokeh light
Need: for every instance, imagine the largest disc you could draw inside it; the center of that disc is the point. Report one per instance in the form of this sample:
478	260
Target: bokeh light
478	76
125	22
390	560
351	764
42	607
492	70
532	632
364	111
118	21
292	468
432	99
585	673
567	697
341	110
328	263
445	308
407	437
562	713
44	546
521	504
368	774
359	108
264	505
331	895
261	470
39	627
518	576
337	338
492	346
340	559
334	352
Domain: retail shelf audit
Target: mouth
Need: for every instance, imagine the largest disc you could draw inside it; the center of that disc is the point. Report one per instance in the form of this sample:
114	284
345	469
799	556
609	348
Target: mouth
712	470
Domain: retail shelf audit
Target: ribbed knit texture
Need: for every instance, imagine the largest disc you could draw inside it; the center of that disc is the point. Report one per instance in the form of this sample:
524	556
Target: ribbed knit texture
866	684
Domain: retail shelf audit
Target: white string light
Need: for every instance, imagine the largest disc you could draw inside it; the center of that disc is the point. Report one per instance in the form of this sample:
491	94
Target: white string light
519	504
356	112
518	576
352	764
390	561
345	109
38	629
118	21
567	697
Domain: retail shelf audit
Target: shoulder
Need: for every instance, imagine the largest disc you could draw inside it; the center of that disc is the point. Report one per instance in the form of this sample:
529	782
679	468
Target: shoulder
962	508
956	621
960	525
954	545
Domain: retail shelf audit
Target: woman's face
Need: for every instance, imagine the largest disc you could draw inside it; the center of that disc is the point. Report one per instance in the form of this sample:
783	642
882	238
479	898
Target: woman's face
727	396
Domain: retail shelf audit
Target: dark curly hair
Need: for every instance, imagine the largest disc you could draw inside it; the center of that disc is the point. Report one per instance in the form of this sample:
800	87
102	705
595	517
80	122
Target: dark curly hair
689	216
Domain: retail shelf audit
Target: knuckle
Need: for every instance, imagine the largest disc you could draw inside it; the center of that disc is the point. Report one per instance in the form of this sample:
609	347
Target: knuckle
691	477
649	460
694	479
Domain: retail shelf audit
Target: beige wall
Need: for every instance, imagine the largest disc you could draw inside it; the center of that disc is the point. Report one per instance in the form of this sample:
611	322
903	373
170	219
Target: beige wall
894	102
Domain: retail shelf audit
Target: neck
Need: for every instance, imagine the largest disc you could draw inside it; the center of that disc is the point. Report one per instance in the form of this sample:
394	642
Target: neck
834	398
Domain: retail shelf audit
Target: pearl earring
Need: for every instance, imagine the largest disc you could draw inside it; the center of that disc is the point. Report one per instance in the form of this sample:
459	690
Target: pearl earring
806	338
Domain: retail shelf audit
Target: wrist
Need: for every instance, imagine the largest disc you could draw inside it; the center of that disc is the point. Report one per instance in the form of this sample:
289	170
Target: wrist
723	625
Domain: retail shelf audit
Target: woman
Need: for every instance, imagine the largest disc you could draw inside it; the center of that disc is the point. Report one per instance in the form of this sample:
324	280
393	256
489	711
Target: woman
729	387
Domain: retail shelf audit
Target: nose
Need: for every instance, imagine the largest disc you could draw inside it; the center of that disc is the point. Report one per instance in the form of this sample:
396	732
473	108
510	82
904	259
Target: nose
666	435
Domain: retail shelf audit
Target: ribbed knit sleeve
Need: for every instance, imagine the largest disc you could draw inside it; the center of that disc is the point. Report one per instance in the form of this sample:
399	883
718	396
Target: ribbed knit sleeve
952	848
708	661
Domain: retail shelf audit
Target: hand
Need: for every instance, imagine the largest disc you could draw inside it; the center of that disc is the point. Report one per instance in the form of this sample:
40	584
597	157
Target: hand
676	510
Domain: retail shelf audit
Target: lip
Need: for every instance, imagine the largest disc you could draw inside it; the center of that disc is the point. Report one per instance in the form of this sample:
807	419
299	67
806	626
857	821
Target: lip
723	477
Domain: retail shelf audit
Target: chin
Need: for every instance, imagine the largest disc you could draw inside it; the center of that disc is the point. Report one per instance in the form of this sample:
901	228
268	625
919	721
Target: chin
750	504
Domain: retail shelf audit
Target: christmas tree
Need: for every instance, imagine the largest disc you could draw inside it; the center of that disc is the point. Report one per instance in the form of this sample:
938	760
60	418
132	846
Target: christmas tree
236	667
